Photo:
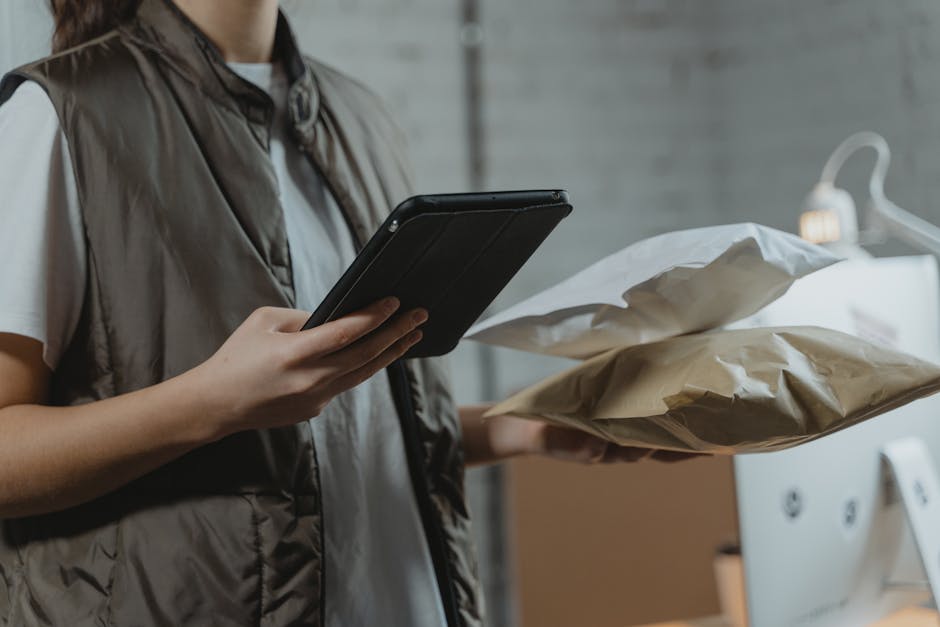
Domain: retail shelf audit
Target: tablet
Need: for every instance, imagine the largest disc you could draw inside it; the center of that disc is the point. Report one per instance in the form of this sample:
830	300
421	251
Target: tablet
450	254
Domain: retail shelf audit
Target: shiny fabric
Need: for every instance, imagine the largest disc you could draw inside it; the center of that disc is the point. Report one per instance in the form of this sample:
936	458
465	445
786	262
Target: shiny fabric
185	238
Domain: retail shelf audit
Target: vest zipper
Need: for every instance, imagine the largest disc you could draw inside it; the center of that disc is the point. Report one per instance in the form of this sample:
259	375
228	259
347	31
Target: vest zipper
408	421
433	531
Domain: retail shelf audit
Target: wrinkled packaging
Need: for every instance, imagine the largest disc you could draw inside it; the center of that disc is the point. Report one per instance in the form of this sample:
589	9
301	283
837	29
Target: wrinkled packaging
668	285
729	392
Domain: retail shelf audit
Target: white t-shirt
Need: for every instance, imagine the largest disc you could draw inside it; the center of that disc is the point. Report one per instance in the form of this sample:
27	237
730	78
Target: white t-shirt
378	568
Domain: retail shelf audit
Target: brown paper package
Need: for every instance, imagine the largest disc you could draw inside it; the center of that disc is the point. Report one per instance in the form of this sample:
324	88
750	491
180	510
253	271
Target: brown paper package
727	392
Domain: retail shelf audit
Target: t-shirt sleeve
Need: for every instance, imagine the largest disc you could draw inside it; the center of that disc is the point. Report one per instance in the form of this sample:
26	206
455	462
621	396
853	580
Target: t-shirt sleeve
42	244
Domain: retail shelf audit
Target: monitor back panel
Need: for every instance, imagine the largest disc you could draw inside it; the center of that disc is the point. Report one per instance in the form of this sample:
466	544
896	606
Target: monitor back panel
822	530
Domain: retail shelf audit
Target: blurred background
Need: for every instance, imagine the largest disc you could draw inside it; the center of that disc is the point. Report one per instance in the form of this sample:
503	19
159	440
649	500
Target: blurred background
655	115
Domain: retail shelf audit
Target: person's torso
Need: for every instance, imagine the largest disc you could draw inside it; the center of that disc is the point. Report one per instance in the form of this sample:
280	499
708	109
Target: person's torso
372	531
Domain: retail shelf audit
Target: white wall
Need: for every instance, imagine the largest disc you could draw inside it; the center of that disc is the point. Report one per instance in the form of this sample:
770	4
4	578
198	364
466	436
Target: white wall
25	31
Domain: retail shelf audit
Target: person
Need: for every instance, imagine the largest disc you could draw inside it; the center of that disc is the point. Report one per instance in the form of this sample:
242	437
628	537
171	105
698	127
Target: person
181	186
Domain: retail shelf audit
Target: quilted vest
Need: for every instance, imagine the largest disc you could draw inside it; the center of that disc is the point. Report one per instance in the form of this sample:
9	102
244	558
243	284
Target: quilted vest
186	237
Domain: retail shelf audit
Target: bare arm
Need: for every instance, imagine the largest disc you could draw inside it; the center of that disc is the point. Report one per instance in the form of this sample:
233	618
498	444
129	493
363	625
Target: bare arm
494	439
266	375
502	437
55	457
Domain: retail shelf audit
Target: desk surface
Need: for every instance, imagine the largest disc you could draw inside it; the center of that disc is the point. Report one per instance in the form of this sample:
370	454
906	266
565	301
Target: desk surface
911	617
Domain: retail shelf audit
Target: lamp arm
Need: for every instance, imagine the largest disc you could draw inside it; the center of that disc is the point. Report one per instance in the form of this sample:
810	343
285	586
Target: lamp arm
864	139
886	218
905	225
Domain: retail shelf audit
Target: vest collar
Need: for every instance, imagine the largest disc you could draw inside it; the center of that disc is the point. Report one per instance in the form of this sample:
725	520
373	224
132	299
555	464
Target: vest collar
162	26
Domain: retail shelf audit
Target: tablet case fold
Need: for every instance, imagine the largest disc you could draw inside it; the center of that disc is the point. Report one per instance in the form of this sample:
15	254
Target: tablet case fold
452	262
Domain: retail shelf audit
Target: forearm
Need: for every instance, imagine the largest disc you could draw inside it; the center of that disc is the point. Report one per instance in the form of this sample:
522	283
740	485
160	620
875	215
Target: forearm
269	373
491	440
52	458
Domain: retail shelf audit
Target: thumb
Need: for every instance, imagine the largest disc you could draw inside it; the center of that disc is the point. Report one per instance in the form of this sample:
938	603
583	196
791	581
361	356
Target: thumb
572	445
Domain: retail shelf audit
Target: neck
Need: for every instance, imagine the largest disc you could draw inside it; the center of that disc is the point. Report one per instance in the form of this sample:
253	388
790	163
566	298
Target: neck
242	30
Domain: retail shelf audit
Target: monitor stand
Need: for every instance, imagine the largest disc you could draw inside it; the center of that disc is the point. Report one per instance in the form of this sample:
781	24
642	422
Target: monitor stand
915	478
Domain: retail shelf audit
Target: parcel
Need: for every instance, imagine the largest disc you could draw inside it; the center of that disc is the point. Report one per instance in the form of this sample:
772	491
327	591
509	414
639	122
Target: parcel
671	284
728	392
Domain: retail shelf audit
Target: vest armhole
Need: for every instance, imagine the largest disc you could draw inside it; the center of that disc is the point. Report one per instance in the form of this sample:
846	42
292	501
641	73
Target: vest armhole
11	82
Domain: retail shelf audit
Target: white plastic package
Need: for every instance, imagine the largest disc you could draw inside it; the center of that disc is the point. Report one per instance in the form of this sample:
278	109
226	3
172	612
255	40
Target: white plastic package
664	286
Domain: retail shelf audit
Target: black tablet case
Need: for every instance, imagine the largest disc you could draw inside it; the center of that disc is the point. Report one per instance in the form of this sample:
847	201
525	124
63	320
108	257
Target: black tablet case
423	265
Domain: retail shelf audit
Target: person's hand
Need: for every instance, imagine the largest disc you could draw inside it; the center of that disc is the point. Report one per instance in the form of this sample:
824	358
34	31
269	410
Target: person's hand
578	446
269	373
540	438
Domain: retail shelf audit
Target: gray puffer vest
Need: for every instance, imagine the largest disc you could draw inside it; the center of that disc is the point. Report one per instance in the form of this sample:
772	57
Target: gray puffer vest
185	238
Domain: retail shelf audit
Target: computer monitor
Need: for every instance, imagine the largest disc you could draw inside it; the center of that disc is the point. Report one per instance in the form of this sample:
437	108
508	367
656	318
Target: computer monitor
824	537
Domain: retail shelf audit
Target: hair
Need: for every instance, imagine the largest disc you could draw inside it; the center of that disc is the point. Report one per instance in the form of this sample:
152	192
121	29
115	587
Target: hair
77	21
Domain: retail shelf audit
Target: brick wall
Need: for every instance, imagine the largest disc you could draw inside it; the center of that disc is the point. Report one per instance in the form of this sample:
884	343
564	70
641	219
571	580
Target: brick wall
795	78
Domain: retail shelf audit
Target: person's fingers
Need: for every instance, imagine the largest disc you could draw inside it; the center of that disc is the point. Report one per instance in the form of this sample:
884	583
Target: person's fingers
572	445
634	454
594	449
372	346
671	457
363	373
336	335
625	454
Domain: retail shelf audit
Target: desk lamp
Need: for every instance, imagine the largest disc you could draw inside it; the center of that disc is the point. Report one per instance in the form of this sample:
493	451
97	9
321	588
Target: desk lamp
830	218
